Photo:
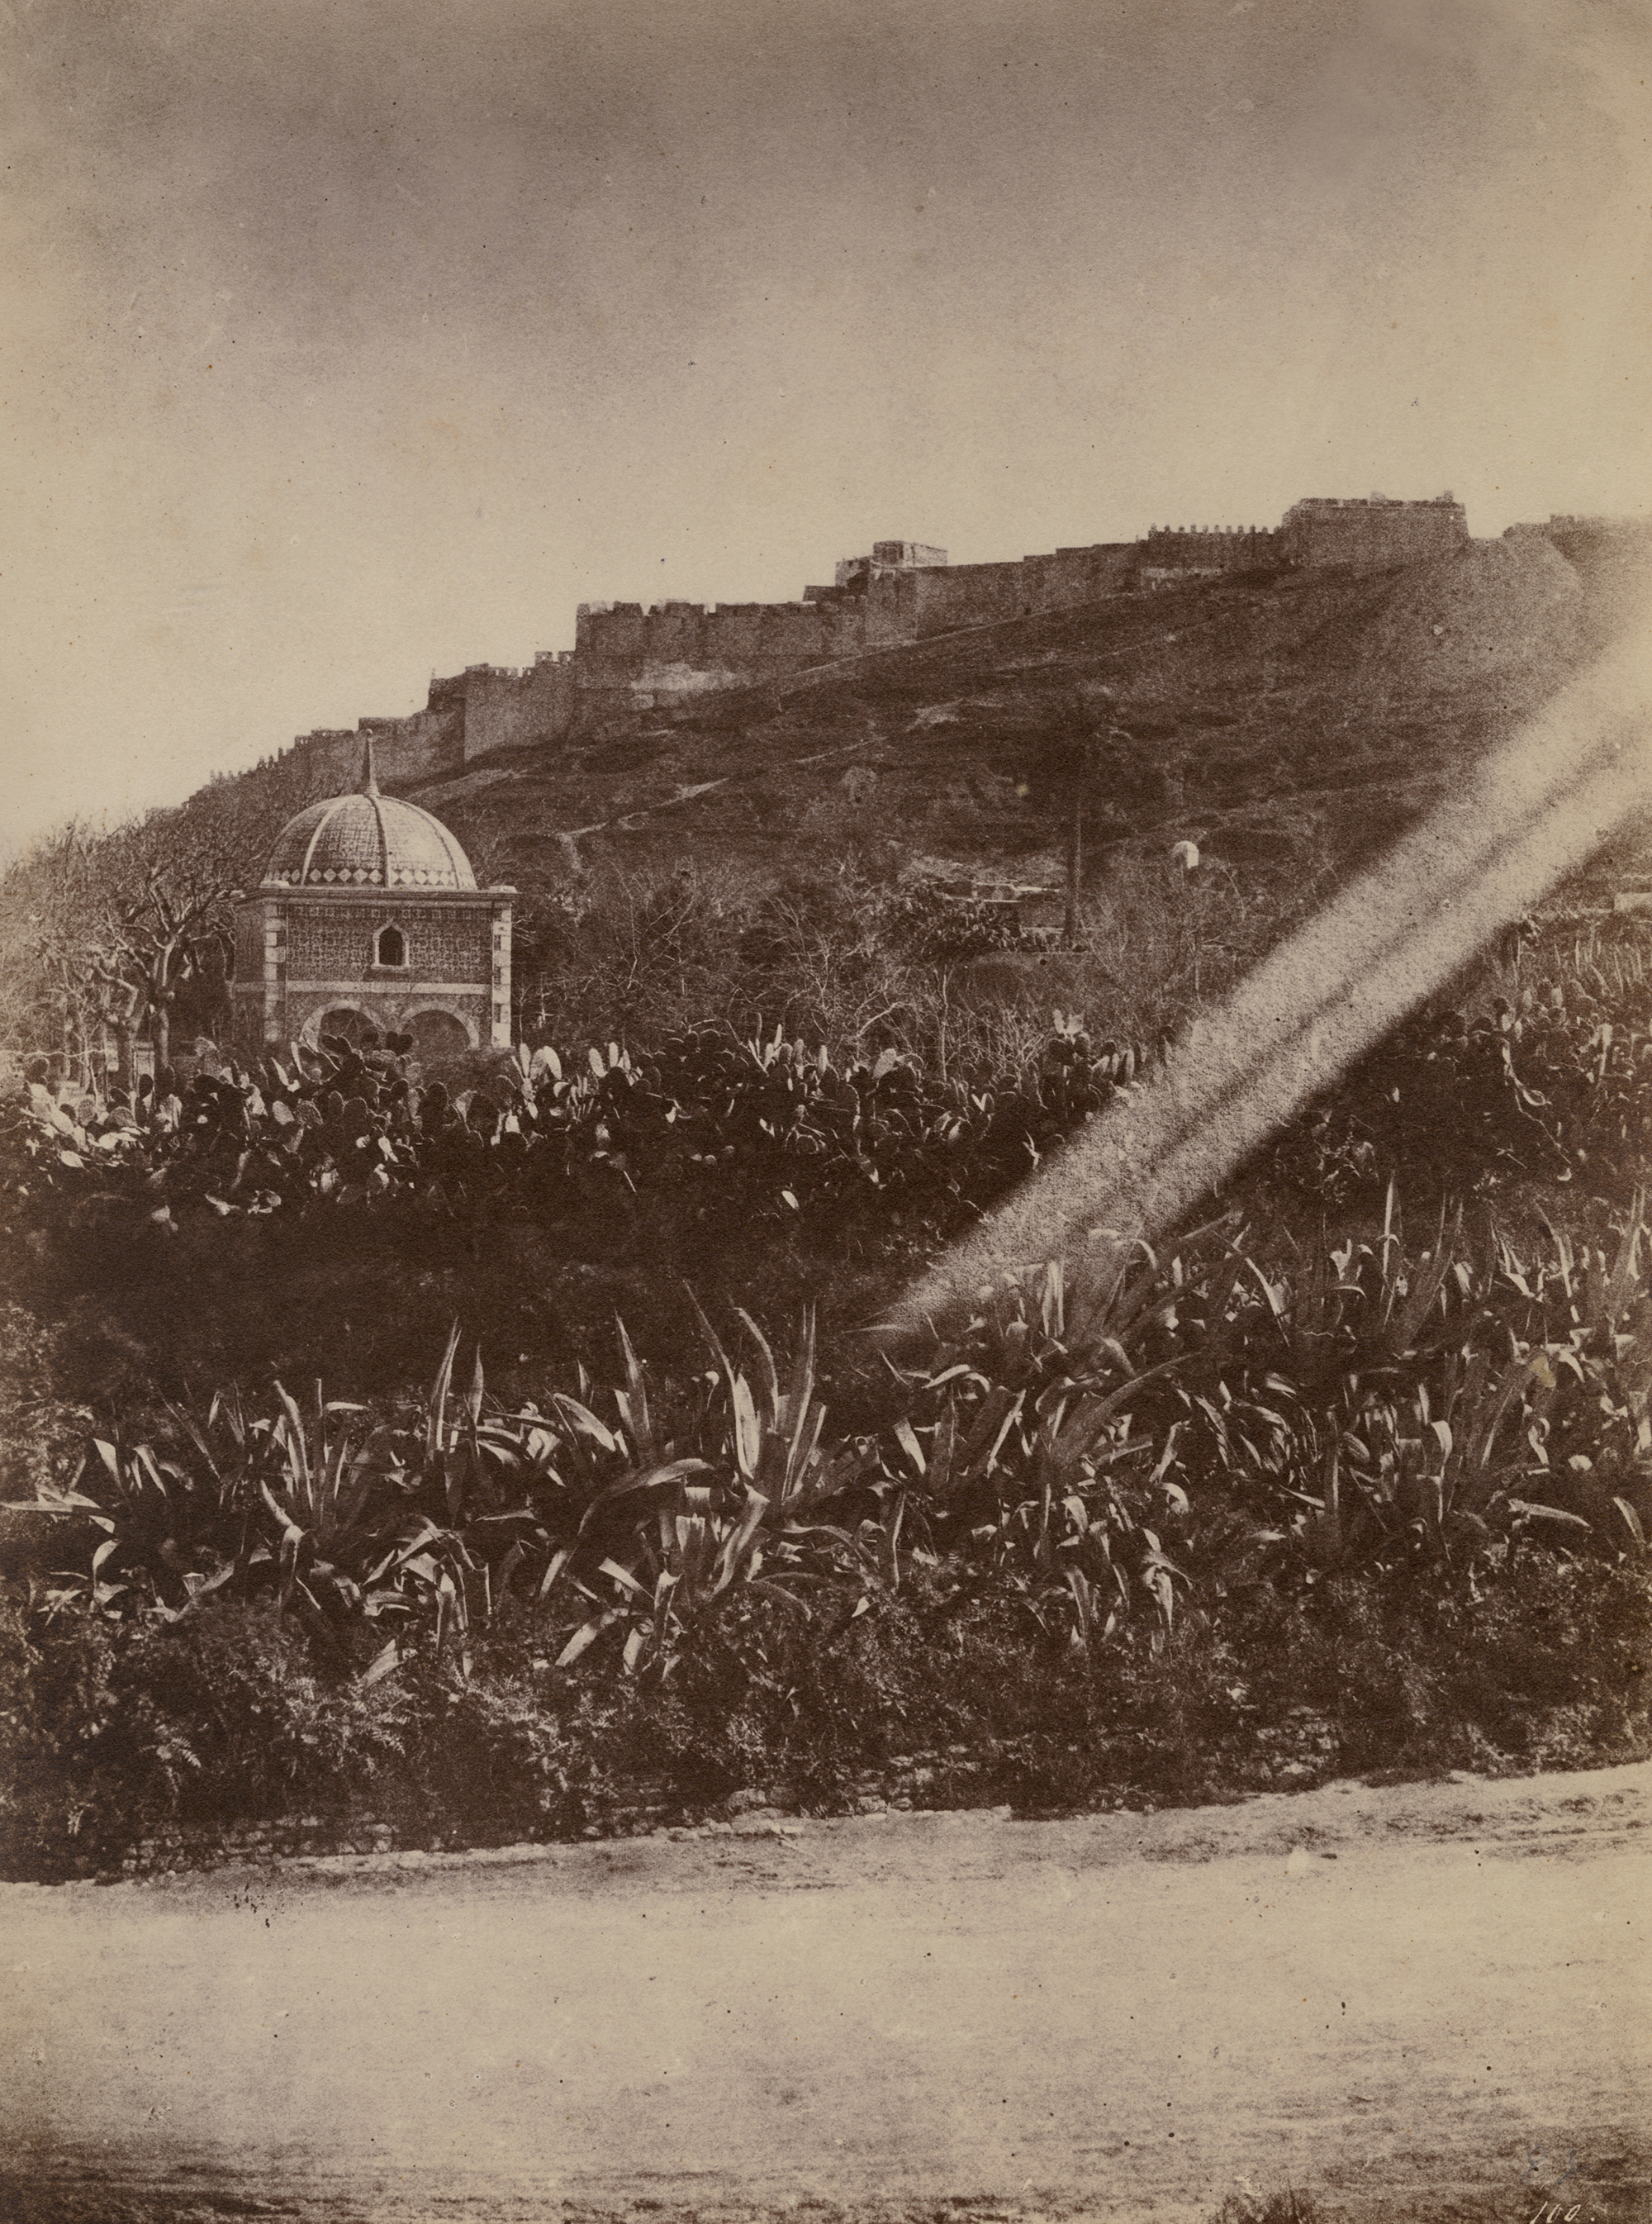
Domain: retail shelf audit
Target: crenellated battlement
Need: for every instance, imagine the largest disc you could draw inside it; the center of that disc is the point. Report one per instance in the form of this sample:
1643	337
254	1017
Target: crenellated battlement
1174	552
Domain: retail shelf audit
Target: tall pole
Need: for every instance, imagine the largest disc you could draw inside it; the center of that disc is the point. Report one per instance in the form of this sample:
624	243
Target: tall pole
1075	862
1077	757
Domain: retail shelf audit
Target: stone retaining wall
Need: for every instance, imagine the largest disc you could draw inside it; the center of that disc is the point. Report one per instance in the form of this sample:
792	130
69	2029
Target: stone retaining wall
1291	1756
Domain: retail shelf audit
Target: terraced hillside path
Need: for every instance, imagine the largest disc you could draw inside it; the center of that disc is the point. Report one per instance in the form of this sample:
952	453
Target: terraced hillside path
1416	2002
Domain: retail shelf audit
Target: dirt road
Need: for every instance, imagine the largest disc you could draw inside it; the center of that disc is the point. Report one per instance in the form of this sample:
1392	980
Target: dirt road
1418	2002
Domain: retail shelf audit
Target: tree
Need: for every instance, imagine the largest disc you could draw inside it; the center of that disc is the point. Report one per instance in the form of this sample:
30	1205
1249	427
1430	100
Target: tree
102	932
48	902
112	931
166	916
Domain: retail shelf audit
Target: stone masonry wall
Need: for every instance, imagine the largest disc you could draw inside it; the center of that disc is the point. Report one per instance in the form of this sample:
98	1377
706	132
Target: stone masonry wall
1209	549
1072	577
970	595
1321	531
483	709
505	710
618	644
299	957
656	652
329	941
409	750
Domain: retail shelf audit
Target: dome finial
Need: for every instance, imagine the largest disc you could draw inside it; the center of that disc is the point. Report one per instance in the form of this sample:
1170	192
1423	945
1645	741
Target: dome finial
369	777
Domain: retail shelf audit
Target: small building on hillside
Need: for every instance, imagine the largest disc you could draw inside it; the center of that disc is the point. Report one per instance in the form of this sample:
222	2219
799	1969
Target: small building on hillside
369	915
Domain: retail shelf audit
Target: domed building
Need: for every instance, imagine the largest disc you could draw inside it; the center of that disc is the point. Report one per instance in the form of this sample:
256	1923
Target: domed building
369	915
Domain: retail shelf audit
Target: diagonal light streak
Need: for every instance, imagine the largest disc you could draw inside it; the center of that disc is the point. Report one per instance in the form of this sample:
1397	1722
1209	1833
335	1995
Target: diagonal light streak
1537	808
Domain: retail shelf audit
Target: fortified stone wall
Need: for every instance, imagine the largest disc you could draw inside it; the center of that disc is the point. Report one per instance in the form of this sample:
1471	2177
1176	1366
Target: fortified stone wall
661	651
968	595
619	645
484	708
906	591
422	747
905	555
903	591
889	606
1323	530
1206	551
917	603
331	757
1075	576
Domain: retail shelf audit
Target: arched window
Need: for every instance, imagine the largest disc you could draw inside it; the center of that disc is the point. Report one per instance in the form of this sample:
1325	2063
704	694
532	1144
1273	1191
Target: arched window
391	948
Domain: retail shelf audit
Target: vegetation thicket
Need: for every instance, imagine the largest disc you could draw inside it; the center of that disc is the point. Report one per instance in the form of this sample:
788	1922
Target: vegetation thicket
1303	1493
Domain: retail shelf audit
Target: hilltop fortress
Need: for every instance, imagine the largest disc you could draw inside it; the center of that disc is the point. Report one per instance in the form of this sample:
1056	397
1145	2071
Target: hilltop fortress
628	658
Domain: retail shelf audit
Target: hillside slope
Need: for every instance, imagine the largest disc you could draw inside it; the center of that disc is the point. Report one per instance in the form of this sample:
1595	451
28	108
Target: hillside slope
1290	723
1284	724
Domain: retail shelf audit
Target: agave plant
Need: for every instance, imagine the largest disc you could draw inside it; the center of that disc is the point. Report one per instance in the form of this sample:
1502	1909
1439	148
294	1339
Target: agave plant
1093	1452
161	1537
749	1514
1035	1464
1445	1407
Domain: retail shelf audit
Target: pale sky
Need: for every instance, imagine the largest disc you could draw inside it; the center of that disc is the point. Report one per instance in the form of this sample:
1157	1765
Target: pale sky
347	340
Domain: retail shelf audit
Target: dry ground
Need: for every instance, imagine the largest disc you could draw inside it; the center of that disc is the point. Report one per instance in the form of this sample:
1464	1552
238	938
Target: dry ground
1423	2002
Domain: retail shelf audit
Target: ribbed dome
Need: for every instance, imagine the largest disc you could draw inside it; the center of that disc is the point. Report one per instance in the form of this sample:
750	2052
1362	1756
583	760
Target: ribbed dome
367	841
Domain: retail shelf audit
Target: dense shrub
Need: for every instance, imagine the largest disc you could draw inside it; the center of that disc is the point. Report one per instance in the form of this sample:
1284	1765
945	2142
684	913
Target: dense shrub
1405	1497
112	1731
767	1124
329	1213
1556	1087
1258	1481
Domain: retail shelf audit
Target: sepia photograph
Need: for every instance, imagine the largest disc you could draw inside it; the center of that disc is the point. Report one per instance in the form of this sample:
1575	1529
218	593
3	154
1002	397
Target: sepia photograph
825	1112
